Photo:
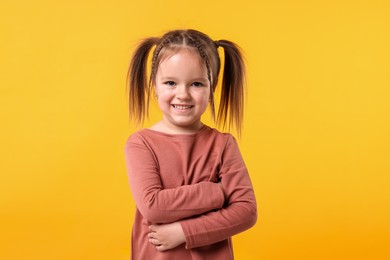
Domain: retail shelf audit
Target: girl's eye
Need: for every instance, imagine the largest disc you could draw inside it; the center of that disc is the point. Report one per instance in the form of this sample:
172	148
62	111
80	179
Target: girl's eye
170	83
197	84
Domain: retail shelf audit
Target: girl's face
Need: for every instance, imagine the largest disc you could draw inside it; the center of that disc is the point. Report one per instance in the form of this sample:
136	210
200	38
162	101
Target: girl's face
183	91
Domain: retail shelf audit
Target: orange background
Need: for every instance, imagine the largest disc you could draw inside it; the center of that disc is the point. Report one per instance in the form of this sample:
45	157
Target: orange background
316	134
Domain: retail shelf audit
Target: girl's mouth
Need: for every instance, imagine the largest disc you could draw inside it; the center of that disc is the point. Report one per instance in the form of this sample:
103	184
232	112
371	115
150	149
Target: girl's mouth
182	107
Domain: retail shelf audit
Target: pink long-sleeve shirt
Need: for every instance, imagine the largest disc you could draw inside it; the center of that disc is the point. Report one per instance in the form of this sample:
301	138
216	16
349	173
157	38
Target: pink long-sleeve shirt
175	178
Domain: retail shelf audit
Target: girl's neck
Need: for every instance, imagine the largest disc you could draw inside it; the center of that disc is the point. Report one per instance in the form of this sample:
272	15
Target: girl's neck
161	126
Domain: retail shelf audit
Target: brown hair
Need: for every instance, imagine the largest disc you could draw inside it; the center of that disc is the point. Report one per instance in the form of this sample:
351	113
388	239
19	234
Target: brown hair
230	112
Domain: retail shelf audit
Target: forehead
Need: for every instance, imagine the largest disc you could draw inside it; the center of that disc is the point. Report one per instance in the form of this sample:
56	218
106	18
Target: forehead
185	60
168	52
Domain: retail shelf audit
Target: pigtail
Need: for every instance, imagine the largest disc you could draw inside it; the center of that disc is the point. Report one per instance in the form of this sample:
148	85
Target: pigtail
137	81
231	108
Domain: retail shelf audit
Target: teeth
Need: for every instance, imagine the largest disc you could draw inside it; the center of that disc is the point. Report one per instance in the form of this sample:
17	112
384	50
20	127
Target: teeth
181	107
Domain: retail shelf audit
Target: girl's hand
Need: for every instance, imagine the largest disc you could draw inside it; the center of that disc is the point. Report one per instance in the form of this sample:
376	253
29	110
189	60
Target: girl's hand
166	236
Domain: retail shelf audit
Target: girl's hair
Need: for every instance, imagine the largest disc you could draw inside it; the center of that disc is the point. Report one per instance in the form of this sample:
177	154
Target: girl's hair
230	112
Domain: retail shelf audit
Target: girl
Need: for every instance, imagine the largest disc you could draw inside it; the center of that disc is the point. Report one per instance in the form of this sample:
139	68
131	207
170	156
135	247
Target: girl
189	181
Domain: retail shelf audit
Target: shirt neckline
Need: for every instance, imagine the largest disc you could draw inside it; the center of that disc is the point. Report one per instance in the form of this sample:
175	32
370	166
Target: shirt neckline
191	135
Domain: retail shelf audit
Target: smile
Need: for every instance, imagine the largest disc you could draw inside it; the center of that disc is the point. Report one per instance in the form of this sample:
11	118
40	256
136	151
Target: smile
181	107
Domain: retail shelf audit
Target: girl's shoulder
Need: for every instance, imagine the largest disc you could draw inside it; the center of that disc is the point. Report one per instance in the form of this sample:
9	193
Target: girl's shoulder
207	140
205	133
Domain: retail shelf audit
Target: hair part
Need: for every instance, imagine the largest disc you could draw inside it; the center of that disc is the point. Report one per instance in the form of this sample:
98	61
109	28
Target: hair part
230	112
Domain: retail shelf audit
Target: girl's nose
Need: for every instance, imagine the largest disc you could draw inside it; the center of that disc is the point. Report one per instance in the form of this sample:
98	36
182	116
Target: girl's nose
182	92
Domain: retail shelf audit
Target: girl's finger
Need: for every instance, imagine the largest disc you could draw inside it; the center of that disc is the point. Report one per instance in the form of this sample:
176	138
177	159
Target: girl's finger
154	242
160	248
152	228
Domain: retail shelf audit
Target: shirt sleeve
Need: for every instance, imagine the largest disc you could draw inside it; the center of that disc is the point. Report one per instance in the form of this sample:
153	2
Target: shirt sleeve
240	211
158	205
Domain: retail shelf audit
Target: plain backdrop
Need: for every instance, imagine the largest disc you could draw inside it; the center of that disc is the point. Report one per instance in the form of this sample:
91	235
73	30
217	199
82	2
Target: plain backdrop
315	140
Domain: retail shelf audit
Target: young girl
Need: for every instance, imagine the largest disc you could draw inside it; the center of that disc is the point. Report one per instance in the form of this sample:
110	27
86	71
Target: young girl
189	181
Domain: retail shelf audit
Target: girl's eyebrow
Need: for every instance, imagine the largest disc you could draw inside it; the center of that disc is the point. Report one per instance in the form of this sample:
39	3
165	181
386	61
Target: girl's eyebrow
192	79
200	79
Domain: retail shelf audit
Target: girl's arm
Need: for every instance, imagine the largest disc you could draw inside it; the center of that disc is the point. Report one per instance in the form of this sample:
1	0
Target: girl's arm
239	214
159	205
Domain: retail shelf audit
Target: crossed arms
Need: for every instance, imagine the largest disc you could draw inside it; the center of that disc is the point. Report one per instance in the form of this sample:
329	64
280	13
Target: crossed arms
204	212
